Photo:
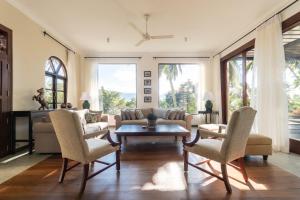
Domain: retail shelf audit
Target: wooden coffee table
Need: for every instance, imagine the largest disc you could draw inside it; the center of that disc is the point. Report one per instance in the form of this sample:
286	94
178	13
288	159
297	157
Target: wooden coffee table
159	130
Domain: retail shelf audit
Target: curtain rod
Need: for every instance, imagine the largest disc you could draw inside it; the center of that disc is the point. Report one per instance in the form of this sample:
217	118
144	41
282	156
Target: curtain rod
283	9
89	57
179	57
53	38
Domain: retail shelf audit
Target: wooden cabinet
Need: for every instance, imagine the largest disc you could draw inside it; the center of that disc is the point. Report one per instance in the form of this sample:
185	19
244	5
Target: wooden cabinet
5	90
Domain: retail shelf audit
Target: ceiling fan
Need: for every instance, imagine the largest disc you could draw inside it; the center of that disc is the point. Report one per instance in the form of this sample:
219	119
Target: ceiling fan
145	35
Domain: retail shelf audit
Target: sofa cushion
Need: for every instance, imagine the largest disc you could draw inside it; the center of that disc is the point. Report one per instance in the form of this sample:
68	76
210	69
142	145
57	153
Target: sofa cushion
137	122
93	117
123	115
172	115
139	114
159	112
146	111
95	127
132	114
166	121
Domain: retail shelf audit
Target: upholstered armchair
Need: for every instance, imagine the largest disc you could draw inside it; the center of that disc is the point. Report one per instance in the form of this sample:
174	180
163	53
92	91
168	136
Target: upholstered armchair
77	147
231	148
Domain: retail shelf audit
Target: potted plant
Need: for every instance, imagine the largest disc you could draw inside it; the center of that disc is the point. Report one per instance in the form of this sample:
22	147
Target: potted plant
151	120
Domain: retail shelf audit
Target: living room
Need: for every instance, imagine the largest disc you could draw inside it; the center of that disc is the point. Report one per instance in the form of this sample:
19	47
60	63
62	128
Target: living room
214	85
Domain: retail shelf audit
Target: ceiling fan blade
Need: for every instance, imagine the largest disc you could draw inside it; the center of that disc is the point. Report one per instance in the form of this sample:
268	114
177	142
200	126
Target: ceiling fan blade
140	42
137	29
162	36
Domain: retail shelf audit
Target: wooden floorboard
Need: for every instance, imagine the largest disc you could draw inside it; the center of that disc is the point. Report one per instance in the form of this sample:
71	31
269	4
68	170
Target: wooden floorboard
151	170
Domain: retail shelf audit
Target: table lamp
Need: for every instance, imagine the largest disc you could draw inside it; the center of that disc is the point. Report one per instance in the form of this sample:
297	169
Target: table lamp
208	97
85	97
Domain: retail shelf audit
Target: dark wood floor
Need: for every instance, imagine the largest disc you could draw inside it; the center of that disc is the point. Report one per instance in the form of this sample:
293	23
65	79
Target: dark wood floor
151	171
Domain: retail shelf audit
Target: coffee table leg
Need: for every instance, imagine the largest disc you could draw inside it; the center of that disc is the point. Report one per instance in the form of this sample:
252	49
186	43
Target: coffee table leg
119	139
183	141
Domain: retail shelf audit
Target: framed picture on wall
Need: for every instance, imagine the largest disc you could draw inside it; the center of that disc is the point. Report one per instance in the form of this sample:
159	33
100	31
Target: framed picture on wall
147	99
147	73
147	90
147	82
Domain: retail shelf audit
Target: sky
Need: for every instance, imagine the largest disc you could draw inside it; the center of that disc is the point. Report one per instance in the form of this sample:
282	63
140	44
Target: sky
118	77
122	77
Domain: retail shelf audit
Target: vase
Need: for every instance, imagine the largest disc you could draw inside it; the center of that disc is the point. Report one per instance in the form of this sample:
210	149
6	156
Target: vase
151	123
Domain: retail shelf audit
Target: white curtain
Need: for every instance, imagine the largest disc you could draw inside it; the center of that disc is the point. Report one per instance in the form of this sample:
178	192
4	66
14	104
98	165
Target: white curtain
269	97
216	82
72	94
91	82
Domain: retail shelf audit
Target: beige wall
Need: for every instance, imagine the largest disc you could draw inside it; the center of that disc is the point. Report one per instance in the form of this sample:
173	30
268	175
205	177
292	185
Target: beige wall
30	51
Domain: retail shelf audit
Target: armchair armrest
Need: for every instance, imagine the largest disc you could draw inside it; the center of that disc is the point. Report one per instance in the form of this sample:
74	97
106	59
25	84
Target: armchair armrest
101	133
104	118
111	141
188	120
194	141
118	121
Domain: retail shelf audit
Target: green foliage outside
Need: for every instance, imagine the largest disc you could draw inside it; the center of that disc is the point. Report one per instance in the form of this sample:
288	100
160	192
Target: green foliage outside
113	103
184	97
235	90
293	89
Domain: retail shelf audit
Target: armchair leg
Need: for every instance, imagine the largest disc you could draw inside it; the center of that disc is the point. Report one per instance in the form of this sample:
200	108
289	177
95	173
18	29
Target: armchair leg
118	159
242	168
63	170
84	177
185	160
265	157
225	177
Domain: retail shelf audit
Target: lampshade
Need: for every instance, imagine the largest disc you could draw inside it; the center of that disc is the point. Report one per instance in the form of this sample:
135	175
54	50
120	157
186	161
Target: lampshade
208	96
85	96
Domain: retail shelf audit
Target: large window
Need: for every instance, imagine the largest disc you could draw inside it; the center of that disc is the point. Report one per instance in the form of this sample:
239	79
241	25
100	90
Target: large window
55	82
238	71
117	86
291	39
179	86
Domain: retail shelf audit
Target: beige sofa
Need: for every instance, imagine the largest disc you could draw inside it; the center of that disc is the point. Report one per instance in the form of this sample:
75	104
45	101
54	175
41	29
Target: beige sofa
45	138
160	113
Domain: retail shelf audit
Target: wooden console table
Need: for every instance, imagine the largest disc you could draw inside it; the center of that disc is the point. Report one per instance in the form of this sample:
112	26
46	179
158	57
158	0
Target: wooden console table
204	112
32	115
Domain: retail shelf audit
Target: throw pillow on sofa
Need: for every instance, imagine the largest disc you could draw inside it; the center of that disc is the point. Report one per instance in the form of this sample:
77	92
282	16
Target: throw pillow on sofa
93	117
172	115
132	114
160	113
139	114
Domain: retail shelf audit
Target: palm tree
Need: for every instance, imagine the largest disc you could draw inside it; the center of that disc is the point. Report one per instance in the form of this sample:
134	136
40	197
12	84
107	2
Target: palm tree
171	71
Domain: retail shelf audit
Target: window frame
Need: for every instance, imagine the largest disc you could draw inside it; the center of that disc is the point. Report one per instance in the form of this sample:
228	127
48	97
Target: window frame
287	24
55	76
173	63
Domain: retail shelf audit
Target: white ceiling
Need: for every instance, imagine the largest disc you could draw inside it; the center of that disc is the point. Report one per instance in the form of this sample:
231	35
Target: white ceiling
209	25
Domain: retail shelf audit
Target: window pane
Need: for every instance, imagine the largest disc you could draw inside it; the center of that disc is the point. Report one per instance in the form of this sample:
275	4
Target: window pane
117	87
60	84
48	82
50	105
179	86
49	96
56	63
249	74
60	97
61	72
48	67
235	85
292	56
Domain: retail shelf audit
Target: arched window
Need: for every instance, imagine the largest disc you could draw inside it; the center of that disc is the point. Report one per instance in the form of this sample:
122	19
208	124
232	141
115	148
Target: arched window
55	82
